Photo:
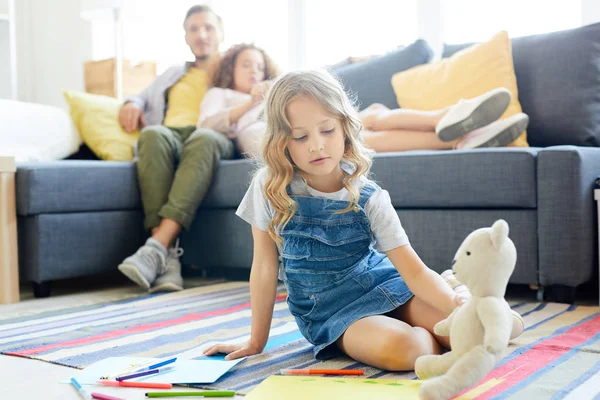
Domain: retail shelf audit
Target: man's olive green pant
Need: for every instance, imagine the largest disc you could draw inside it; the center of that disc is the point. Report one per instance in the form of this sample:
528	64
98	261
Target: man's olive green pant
175	169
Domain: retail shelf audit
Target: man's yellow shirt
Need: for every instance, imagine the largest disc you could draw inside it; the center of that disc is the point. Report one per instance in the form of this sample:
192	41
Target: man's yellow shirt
185	97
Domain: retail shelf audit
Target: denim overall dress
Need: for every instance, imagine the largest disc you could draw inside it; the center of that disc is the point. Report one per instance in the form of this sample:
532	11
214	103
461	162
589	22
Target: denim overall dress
333	275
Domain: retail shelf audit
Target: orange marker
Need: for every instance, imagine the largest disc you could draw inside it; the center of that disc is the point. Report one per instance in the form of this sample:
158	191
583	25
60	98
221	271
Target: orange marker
322	372
147	385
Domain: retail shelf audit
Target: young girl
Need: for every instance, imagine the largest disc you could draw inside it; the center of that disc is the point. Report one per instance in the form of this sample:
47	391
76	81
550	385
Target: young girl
355	285
233	105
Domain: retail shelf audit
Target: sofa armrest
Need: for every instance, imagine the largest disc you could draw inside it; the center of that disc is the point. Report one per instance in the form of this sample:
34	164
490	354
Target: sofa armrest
567	233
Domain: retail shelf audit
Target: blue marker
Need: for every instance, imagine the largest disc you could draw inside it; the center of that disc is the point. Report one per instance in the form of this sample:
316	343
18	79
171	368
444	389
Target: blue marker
82	392
151	367
160	364
144	373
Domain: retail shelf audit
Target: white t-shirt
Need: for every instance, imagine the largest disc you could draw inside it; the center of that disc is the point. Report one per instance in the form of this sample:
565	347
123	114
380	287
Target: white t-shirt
385	224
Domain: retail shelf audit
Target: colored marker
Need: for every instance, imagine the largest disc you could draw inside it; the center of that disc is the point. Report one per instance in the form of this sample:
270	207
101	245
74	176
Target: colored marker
101	396
143	373
145	385
139	367
161	364
81	391
206	393
130	369
137	375
322	372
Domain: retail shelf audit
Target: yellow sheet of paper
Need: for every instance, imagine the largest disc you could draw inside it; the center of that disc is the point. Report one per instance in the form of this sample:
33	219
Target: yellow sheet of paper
326	388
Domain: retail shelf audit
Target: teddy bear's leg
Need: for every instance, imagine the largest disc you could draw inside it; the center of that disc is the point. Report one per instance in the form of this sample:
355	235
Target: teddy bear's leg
464	373
434	365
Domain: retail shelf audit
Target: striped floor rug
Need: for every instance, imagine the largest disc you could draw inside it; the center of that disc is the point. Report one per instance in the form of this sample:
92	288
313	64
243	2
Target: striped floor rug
558	356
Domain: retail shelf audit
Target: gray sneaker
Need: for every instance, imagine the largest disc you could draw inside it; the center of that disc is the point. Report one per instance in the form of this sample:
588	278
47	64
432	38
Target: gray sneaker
470	114
171	280
145	264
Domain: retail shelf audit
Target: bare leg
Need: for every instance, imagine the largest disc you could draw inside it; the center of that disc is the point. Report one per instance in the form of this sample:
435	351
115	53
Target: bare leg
416	312
369	115
403	140
397	347
166	232
377	117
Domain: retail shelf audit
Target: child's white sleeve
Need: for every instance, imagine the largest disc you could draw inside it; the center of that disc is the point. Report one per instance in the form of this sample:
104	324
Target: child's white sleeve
214	113
385	223
254	208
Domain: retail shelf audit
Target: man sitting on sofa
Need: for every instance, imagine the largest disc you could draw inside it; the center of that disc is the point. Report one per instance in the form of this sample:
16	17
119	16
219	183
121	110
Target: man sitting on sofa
177	161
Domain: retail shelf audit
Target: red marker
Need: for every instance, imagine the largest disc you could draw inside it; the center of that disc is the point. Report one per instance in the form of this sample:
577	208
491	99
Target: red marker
322	372
146	385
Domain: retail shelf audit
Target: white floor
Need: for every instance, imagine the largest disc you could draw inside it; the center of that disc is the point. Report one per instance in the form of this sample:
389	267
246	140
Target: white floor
25	379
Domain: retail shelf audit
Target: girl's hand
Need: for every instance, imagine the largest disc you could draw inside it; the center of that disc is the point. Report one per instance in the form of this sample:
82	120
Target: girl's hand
461	298
234	351
259	91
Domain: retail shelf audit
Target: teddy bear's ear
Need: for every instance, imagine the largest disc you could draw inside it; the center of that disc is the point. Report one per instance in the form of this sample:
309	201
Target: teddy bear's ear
499	233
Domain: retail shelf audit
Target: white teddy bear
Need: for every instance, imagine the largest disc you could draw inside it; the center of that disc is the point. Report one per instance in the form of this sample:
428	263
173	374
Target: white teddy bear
479	330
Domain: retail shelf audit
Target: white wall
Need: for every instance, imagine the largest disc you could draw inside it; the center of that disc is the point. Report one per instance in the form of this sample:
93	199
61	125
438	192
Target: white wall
5	83
431	24
5	76
590	11
52	44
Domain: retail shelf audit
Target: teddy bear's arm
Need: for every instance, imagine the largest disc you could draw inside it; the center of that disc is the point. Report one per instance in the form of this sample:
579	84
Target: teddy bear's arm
442	328
494	315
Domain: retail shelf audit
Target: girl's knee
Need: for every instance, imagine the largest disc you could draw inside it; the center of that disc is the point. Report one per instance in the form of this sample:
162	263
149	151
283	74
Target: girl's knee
400	350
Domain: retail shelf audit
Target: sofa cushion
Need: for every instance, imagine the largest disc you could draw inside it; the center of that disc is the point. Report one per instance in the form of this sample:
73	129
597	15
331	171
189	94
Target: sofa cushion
370	81
466	74
36	132
78	186
75	186
97	119
480	178
558	76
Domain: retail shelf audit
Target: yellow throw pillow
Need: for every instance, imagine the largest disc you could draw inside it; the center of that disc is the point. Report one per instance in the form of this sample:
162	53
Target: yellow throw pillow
466	74
97	120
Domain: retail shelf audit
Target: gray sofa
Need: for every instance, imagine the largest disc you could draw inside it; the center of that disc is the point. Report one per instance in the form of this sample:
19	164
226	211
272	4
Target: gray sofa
82	217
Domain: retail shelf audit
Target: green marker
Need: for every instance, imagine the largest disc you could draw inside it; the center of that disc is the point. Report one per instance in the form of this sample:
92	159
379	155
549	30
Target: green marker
207	393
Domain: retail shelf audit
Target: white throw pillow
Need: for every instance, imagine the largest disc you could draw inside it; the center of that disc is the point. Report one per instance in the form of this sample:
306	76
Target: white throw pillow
36	132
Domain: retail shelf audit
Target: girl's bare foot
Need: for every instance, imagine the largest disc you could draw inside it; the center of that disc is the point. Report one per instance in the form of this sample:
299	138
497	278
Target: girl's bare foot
370	115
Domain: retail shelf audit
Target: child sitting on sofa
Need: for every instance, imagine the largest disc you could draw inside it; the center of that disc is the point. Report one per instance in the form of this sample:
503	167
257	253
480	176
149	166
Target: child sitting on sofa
233	105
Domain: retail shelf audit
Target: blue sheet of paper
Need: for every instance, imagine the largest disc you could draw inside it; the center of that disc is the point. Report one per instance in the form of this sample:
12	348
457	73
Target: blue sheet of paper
205	370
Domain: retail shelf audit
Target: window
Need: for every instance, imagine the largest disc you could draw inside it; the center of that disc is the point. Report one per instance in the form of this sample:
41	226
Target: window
314	33
154	31
262	22
335	30
475	20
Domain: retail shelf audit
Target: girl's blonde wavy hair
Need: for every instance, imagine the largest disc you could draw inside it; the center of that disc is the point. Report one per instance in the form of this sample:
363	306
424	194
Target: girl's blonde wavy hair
328	92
